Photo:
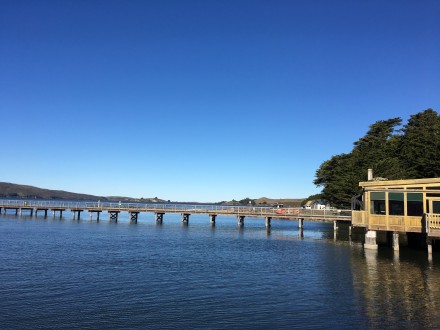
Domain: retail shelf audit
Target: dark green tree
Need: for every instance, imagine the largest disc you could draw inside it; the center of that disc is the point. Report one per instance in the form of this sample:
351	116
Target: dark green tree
409	153
336	177
420	145
340	176
378	150
247	201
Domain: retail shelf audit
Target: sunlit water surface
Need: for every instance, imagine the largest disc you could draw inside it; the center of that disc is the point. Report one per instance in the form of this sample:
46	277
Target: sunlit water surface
87	274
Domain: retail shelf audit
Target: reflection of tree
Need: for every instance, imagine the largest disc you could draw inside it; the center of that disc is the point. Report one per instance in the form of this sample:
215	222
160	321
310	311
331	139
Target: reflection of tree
403	292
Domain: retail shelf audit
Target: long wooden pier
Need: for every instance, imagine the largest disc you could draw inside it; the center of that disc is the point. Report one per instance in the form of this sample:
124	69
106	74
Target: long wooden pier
186	210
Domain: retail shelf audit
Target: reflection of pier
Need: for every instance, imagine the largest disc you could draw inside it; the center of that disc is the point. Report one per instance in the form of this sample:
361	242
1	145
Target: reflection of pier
213	211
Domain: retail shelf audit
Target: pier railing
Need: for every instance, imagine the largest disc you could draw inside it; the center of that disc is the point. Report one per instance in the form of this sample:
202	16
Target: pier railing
257	211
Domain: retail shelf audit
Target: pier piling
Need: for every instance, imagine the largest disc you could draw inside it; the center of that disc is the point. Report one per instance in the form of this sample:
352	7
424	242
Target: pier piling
395	241
240	220
77	214
113	215
97	214
268	222
370	240
134	216
212	219
429	245
185	218
159	217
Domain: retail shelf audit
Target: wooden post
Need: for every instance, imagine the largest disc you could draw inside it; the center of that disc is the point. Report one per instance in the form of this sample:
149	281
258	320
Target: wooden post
54	212
395	241
212	219
429	244
97	214
159	217
268	220
370	240
300	223
240	220
185	218
134	216
113	215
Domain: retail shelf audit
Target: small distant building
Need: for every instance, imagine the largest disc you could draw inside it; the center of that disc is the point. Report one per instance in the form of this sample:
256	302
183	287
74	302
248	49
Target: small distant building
308	204
278	205
316	205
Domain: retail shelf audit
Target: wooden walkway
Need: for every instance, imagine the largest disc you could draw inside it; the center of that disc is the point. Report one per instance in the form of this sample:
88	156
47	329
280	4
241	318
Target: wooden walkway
113	209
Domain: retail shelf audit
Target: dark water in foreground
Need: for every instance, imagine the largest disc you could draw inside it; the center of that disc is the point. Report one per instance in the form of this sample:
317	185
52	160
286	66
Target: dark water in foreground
83	274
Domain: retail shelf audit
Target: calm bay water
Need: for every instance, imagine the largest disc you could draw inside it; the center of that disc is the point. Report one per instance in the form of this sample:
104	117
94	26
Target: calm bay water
86	274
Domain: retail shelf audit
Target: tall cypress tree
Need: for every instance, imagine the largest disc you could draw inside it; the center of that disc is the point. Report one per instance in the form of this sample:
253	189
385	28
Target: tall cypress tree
336	177
340	176
378	150
410	153
420	145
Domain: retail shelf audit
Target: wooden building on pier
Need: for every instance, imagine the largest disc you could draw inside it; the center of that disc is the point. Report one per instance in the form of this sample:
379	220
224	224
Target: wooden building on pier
405	206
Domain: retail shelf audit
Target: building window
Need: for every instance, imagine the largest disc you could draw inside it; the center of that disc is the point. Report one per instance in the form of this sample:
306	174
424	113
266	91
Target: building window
395	203
415	204
377	202
435	207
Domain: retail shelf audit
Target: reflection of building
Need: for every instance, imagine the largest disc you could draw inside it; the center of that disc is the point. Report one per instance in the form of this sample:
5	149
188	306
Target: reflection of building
403	292
410	206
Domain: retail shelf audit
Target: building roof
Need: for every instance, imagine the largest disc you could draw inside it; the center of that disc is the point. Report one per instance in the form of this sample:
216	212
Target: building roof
411	183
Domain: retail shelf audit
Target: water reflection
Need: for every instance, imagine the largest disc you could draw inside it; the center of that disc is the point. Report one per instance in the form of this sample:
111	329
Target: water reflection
402	287
268	231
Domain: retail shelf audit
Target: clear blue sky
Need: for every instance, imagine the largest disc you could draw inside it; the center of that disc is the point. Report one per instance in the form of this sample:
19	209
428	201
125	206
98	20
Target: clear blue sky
204	100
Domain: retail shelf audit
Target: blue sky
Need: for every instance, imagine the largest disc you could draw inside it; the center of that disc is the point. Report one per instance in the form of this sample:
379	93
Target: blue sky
204	100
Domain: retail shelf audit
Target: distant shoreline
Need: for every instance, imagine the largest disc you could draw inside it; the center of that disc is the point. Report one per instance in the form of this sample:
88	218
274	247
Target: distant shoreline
12	191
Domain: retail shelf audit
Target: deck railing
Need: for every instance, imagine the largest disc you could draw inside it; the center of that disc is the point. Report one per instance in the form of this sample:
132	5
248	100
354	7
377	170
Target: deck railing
258	211
359	218
432	222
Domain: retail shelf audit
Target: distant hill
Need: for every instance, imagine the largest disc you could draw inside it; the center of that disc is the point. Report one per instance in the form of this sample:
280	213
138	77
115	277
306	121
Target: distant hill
11	190
294	202
264	201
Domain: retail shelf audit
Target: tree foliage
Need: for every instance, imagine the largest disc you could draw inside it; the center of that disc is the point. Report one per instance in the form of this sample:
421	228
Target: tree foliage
247	201
420	145
392	153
